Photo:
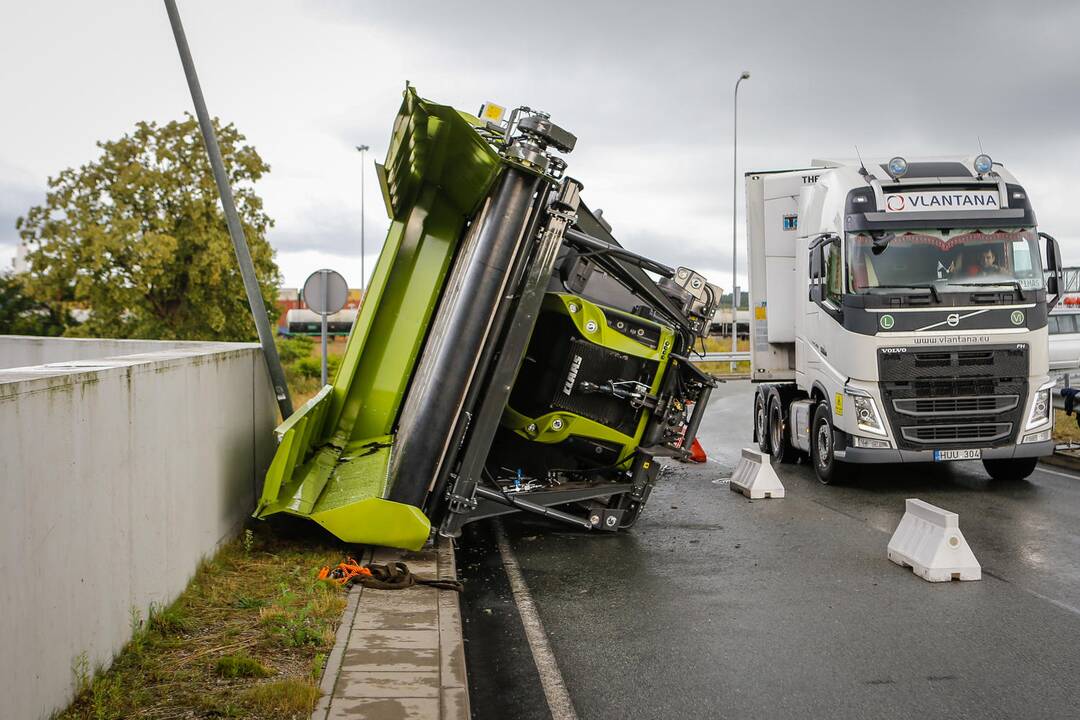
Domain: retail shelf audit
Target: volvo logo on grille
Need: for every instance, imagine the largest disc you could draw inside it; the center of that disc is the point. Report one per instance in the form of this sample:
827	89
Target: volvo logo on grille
953	320
571	377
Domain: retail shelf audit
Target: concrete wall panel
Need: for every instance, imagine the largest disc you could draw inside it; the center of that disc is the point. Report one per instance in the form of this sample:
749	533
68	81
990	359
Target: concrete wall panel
116	477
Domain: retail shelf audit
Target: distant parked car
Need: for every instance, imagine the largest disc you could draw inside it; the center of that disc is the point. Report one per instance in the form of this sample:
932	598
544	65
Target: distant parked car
1064	329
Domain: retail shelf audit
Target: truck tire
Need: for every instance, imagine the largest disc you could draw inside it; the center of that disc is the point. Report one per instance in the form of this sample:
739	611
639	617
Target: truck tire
761	423
829	470
782	450
1011	469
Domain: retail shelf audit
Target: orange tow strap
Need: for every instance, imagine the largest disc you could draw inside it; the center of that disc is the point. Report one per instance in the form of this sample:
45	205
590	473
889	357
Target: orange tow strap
392	576
345	572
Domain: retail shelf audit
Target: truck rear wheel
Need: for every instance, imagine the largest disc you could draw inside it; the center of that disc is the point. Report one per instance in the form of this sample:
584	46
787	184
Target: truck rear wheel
830	471
779	442
1011	469
761	423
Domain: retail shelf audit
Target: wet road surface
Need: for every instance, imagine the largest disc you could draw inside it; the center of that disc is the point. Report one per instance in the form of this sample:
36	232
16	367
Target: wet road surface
716	606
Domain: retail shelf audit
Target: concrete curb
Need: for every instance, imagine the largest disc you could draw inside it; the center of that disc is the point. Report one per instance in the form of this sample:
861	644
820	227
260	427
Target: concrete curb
333	661
399	653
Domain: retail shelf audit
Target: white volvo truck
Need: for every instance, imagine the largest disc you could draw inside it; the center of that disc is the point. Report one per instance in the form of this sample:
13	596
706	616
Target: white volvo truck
899	315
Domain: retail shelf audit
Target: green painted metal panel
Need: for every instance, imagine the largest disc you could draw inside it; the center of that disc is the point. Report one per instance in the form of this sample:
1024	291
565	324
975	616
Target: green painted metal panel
436	174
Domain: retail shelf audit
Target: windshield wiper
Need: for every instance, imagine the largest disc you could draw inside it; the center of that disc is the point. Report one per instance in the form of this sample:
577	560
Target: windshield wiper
931	288
1013	283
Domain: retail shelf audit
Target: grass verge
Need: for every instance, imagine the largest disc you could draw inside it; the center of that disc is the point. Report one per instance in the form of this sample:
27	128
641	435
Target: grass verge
1065	427
246	639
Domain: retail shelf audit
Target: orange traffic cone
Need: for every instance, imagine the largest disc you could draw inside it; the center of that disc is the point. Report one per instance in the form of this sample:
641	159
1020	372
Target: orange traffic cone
697	453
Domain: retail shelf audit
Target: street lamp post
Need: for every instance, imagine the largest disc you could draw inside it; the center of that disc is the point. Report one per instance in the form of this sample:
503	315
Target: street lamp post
363	275
734	214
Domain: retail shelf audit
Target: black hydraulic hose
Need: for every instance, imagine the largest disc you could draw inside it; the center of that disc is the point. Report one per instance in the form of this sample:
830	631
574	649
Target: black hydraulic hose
576	237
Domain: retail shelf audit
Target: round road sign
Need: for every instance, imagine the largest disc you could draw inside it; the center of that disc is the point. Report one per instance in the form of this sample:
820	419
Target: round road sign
325	291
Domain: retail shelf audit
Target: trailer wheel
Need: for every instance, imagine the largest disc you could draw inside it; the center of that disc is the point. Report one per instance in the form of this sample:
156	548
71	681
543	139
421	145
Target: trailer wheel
830	471
761	424
1012	469
780	445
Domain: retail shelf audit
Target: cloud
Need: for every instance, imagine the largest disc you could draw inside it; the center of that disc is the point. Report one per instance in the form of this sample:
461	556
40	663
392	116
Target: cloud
16	197
646	87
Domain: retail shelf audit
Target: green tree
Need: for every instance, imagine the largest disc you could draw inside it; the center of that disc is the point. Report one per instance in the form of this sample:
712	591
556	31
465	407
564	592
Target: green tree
138	239
22	315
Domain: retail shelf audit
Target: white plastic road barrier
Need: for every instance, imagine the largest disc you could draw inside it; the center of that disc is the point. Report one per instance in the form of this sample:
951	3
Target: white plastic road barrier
755	478
929	541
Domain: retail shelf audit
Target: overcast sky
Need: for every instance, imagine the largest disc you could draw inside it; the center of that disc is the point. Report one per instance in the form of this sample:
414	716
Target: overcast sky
646	86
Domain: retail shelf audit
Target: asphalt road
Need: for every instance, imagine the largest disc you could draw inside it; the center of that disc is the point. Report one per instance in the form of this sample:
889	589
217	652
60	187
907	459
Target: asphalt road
716	606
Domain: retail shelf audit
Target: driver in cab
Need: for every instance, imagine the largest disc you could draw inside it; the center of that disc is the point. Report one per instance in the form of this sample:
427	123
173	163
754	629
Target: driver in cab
975	263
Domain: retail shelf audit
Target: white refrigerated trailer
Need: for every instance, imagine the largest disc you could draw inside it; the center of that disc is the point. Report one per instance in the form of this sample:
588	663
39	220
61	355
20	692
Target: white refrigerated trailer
899	315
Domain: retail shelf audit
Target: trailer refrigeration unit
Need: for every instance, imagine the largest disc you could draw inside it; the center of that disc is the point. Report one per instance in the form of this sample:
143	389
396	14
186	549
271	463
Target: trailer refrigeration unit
899	315
509	354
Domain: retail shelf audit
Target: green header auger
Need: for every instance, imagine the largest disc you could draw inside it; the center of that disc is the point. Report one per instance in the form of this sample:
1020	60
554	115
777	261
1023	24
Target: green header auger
509	354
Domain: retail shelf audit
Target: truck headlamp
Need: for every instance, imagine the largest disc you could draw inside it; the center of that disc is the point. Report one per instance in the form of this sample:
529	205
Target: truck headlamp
866	414
983	164
1040	408
897	167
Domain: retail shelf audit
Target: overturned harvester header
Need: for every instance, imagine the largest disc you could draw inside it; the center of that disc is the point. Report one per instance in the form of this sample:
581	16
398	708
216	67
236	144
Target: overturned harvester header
509	355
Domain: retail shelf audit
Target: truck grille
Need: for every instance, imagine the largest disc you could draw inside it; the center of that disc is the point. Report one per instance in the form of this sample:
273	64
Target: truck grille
969	405
933	434
959	397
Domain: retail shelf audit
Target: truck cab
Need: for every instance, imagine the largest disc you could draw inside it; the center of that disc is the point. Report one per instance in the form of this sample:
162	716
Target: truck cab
899	315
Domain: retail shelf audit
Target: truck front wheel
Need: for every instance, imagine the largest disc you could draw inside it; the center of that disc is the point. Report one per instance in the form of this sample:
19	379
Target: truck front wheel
1012	469
829	470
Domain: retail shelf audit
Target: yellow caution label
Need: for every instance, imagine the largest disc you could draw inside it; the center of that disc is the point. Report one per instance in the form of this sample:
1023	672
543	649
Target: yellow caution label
839	404
759	312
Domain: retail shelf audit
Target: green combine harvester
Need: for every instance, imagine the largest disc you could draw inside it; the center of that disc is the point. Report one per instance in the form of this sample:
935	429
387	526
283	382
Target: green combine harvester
509	354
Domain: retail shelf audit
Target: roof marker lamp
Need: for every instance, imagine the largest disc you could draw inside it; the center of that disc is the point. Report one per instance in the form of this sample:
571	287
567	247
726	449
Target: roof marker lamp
983	164
897	167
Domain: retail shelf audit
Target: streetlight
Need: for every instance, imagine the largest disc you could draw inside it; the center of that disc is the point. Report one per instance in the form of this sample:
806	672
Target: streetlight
363	276
734	212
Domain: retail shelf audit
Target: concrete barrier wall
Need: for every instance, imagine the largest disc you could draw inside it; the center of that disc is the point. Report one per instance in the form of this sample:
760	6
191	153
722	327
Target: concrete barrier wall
22	350
116	477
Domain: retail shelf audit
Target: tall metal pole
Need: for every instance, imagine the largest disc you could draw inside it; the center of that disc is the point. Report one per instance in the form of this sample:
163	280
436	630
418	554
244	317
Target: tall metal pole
325	305
236	231
734	213
363	164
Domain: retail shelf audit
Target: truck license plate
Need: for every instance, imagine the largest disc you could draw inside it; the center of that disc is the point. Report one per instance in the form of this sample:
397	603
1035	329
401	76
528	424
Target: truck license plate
942	455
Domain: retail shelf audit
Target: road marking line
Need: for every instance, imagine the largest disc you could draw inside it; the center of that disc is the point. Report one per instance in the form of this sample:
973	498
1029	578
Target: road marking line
558	697
1057	472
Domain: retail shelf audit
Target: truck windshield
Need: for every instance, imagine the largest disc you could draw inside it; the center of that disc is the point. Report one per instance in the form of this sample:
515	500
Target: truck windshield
946	260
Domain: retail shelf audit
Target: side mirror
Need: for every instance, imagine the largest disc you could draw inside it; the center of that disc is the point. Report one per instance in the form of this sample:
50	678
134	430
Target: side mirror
817	265
1054	275
818	274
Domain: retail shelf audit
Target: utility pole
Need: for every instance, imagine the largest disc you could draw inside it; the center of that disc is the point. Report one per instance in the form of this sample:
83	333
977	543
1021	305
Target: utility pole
363	165
236	231
734	216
